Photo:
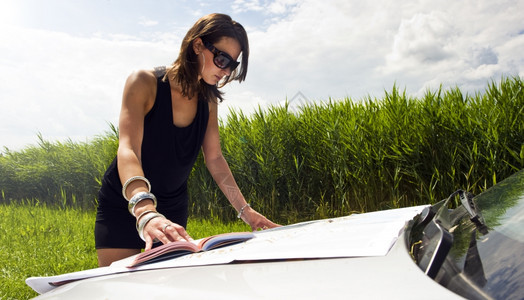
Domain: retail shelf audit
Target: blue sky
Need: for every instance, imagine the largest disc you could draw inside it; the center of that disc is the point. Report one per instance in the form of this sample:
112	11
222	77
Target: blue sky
63	63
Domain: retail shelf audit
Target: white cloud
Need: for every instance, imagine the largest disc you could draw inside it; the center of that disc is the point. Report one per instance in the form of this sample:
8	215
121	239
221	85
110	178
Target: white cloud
276	7
346	48
147	22
460	45
66	86
425	39
240	6
320	49
282	6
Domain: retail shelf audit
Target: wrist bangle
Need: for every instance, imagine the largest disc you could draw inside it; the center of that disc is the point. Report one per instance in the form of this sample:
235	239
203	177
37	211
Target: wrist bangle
241	211
144	222
141	215
137	198
135	178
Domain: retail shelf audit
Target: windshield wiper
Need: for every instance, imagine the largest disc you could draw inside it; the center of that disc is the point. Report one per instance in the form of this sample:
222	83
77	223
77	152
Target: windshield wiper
467	201
437	237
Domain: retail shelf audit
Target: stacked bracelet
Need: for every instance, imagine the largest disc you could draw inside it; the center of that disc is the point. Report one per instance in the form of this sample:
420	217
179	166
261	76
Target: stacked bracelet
241	211
143	222
137	198
134	178
143	214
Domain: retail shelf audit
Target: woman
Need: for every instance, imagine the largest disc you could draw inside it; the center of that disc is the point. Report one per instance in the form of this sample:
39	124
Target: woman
167	116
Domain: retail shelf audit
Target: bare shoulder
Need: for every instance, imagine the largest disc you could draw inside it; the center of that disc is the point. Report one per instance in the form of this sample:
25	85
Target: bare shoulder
142	79
140	89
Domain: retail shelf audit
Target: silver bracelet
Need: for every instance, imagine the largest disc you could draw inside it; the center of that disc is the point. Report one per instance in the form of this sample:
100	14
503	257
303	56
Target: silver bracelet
134	178
137	198
144	222
242	210
141	215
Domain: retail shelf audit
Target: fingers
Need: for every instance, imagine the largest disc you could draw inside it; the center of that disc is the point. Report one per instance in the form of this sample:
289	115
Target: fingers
175	232
149	242
263	224
273	225
258	221
165	231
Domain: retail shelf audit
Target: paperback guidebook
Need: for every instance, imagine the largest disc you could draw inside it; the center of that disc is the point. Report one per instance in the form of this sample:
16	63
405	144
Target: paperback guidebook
180	248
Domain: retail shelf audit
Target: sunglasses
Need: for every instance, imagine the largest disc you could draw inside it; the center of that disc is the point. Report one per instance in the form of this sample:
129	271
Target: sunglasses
221	59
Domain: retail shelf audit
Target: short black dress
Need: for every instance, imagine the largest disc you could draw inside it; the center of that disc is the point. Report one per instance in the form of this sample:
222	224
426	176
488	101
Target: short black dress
168	155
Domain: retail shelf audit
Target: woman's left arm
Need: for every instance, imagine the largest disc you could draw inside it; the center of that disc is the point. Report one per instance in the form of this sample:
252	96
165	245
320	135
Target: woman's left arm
219	169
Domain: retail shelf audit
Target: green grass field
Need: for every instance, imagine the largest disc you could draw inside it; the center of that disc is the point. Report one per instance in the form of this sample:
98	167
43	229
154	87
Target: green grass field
36	240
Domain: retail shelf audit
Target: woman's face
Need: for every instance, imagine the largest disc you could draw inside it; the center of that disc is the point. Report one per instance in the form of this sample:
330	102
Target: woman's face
209	71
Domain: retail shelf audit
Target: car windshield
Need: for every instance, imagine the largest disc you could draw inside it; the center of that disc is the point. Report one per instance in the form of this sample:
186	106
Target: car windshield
488	263
494	262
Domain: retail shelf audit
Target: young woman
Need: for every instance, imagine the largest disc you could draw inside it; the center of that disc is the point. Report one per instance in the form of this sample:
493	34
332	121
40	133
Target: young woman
167	116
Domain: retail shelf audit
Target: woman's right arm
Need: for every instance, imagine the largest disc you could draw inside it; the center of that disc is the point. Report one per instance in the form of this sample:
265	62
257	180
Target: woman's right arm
138	98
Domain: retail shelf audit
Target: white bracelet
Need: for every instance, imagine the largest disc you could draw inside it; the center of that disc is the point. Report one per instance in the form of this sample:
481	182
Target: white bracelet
134	178
141	215
137	198
144	222
242	210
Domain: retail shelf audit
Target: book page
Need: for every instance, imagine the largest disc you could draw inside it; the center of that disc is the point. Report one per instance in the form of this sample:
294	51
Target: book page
224	239
181	248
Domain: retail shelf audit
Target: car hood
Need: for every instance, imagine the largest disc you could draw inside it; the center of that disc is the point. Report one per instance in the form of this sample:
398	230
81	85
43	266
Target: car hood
357	235
361	256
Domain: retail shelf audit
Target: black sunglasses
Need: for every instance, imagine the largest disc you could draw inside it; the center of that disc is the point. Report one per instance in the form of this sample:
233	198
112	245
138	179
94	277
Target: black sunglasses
221	59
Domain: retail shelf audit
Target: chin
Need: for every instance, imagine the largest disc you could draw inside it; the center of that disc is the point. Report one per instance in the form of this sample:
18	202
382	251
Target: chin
207	82
204	80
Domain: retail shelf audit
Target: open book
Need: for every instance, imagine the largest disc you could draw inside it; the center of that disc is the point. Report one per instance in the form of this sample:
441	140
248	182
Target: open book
179	248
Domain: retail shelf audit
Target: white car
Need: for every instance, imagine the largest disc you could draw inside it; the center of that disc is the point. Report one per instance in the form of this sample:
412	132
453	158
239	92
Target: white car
422	252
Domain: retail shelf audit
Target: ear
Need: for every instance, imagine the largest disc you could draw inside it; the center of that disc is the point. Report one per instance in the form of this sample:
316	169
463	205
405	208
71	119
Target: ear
198	46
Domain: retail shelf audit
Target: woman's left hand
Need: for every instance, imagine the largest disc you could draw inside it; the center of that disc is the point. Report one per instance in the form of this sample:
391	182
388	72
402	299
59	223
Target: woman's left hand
256	220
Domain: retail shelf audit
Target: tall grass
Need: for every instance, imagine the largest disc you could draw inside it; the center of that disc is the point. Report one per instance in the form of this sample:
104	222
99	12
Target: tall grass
38	240
327	159
333	158
59	173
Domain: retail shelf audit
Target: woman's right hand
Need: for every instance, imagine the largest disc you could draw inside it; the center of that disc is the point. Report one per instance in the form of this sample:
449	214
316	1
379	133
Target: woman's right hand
165	231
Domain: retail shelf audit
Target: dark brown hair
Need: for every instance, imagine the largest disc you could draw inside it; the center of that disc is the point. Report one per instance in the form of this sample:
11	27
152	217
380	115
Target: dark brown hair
210	28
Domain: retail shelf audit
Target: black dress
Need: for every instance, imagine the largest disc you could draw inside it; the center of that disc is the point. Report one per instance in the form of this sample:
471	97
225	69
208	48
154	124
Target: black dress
168	155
